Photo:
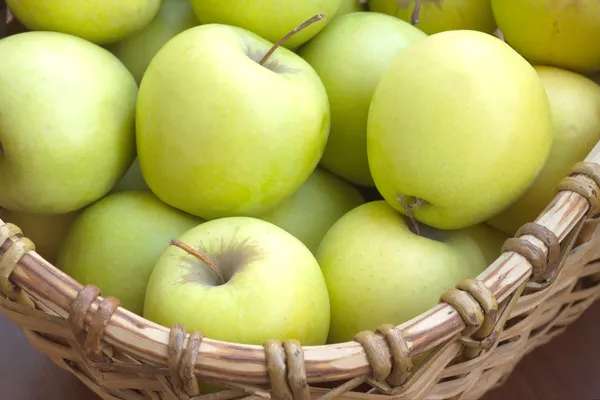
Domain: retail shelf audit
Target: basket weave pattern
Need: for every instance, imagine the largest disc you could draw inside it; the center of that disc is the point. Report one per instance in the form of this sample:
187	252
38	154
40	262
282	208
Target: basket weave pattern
548	274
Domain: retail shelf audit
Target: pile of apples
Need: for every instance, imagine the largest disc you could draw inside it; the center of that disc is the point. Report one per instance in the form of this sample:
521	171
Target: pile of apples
263	169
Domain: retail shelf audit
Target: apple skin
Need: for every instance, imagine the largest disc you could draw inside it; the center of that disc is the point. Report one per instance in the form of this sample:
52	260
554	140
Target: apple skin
378	271
219	135
349	6
441	15
116	242
555	33
274	287
350	55
67	124
98	21
441	131
137	50
315	207
48	232
269	19
575	105
489	239
133	179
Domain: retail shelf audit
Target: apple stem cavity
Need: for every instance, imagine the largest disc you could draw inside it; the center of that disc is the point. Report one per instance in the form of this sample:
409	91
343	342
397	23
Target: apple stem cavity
498	33
414	18
409	213
198	255
284	39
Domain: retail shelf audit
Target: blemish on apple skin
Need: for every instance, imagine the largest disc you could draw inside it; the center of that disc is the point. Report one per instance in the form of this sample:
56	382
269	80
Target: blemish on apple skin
229	258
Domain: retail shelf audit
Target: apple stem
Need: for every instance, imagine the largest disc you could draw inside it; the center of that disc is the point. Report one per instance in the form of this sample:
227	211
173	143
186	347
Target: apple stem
498	33
197	254
414	18
363	2
409	214
284	39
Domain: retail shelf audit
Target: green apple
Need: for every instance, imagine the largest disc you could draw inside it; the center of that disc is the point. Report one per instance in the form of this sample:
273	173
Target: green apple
241	280
133	179
350	55
549	32
440	15
116	242
379	271
269	19
219	134
48	232
137	50
67	132
350	6
489	239
315	207
575	105
99	21
457	141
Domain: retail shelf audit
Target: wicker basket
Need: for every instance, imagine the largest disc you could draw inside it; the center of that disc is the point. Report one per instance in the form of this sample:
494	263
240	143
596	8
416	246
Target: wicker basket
546	277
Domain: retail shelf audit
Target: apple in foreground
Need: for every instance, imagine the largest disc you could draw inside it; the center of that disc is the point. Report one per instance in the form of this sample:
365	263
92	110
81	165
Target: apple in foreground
99	21
350	55
269	19
240	280
116	242
220	134
67	132
48	232
575	105
434	16
549	32
137	50
441	143
315	207
379	271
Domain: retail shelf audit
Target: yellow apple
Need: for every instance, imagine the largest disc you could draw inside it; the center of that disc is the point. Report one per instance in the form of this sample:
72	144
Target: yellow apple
440	15
575	104
458	128
48	232
313	209
550	32
379	271
99	21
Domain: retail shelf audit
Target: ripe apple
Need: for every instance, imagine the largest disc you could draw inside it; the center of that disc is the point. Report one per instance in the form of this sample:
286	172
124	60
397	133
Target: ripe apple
219	134
380	271
48	232
349	6
137	50
549	32
116	242
67	132
269	19
350	55
435	16
575	105
489	239
133	179
240	279
99	21
315	207
457	141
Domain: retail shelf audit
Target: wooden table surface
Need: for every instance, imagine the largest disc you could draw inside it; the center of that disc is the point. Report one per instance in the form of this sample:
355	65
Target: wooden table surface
567	369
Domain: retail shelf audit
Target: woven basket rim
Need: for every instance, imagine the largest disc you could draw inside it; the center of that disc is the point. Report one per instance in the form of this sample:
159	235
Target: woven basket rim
325	363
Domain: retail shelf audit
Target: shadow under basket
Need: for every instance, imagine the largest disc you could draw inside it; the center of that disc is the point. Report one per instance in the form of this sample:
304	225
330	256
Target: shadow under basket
547	275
